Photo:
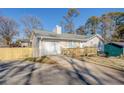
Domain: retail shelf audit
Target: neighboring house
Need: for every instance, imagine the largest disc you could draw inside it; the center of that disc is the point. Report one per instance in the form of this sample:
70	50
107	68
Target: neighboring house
25	43
2	44
51	43
114	49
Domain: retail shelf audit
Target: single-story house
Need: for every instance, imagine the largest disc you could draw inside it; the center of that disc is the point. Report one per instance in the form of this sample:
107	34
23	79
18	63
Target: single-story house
25	43
51	43
114	48
2	43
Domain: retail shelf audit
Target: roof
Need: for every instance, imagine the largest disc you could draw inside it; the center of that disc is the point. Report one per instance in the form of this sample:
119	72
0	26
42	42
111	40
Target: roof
25	40
119	44
63	36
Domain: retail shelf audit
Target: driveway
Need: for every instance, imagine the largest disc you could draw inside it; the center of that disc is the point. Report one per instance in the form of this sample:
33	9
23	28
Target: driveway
67	71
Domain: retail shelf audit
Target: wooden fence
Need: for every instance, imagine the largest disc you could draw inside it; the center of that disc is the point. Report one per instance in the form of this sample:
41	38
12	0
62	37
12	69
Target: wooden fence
87	51
19	53
15	53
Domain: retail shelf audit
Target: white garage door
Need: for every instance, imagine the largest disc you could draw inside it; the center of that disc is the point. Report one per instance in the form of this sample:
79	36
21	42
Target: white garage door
51	48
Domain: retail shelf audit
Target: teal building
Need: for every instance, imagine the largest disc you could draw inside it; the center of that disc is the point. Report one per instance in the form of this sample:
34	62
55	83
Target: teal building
114	49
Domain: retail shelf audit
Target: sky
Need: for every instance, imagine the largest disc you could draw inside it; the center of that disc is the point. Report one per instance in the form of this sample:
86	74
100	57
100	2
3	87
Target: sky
51	17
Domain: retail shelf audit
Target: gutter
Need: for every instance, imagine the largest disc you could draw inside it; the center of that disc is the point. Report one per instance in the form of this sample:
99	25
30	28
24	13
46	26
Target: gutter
69	39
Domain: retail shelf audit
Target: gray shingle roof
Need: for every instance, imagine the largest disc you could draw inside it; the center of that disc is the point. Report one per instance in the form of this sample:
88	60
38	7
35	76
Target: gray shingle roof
53	35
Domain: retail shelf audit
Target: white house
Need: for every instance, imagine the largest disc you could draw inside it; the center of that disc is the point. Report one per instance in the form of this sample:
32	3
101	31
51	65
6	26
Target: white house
51	43
2	43
25	43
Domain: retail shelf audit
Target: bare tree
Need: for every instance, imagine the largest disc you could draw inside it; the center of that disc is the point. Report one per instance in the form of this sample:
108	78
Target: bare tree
30	23
8	29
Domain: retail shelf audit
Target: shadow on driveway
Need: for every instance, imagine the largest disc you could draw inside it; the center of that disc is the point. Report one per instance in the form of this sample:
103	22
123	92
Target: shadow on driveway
79	71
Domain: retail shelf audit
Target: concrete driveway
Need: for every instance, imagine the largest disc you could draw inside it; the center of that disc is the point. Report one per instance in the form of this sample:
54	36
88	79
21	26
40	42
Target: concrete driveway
66	71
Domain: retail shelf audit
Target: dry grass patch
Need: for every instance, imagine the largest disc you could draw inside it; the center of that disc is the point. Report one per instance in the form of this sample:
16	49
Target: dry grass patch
122	57
43	59
111	62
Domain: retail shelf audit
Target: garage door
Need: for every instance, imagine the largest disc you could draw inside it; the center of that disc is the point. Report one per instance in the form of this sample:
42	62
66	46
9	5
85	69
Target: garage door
51	48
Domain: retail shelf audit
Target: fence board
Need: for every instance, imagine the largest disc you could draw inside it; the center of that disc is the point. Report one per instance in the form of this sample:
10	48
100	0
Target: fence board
15	53
87	51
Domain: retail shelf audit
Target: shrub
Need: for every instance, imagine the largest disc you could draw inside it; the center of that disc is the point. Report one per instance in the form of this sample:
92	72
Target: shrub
43	59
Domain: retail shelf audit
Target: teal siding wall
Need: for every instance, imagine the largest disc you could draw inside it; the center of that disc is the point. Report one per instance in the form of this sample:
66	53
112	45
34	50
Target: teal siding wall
113	50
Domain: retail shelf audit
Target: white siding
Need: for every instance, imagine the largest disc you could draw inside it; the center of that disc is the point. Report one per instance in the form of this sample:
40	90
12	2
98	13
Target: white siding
40	47
34	46
94	42
53	47
69	44
24	44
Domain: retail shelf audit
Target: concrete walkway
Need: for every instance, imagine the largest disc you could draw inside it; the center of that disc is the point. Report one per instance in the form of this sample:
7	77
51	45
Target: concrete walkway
66	71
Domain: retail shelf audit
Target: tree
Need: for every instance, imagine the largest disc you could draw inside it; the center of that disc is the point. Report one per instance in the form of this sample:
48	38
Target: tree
68	23
119	34
30	23
106	27
18	43
8	29
118	25
109	25
92	24
117	17
80	30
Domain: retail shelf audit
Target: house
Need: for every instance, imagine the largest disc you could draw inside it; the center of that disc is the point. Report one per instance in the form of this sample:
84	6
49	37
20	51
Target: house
25	43
114	49
2	43
51	43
